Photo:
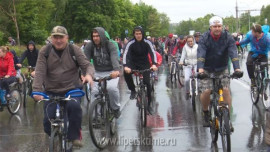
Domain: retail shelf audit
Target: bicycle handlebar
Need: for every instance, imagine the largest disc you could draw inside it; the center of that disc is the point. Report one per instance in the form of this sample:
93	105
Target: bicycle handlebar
98	79
141	71
70	94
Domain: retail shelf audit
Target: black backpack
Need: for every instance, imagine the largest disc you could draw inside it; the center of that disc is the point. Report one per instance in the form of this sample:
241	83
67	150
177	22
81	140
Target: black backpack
71	51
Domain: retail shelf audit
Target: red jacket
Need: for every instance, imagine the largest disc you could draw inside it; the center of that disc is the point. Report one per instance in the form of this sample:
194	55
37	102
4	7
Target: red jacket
7	65
179	46
159	59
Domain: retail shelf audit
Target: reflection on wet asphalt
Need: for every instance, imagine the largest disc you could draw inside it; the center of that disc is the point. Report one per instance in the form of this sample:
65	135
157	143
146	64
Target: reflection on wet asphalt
173	127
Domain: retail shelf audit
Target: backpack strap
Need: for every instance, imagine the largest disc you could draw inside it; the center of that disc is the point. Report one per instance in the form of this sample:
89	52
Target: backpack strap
71	51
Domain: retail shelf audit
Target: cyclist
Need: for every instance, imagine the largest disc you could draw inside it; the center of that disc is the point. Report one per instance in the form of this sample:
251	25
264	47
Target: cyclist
259	40
197	36
31	53
105	56
169	46
136	57
56	74
7	71
189	56
215	48
179	46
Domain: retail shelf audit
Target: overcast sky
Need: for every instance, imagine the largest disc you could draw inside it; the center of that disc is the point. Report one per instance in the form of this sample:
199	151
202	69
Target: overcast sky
178	10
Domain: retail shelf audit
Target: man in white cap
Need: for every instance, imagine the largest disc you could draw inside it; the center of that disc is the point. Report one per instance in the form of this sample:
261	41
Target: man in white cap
215	48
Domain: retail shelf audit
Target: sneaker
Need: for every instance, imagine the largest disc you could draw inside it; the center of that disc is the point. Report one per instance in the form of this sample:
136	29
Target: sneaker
8	96
253	84
231	126
206	122
150	110
133	95
117	113
77	143
187	96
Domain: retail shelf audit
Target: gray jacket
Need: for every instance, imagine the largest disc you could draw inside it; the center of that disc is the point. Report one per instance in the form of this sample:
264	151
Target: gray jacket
106	57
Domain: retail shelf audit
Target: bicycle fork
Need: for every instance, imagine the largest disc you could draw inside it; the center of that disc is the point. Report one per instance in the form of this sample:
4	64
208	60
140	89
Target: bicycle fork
190	87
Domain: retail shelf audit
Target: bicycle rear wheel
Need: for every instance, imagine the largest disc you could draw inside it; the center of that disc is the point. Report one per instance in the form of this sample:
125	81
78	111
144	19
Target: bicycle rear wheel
172	71
255	91
14	103
55	141
266	95
99	127
143	108
225	130
193	98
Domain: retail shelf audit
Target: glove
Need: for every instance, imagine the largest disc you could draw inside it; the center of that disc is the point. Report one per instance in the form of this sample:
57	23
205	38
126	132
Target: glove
237	74
237	43
202	75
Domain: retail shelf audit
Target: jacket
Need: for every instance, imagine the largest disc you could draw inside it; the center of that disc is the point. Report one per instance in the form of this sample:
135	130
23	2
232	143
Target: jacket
136	54
213	55
30	55
261	46
106	57
189	55
7	65
60	74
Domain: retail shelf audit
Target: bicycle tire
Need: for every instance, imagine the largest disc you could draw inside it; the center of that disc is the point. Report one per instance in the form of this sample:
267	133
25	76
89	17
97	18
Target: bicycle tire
180	76
225	130
143	109
14	102
193	98
88	92
214	126
266	95
96	124
255	91
55	141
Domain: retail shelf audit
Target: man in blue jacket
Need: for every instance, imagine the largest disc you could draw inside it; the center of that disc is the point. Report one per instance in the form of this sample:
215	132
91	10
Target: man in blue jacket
215	48
259	40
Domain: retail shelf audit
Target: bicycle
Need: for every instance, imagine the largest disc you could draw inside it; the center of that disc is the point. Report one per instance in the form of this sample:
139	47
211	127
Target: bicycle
87	90
219	113
102	122
176	71
27	83
59	127
14	102
261	84
142	97
193	86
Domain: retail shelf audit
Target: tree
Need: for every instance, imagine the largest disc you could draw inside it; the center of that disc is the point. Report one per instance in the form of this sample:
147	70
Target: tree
8	7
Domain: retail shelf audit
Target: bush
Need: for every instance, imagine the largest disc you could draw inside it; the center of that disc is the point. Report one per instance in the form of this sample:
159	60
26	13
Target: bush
2	41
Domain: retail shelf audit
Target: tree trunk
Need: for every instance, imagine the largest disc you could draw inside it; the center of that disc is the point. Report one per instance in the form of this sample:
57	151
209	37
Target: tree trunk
16	24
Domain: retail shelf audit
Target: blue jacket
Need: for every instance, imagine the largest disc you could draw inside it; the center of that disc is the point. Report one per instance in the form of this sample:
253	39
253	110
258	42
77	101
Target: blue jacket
213	55
262	46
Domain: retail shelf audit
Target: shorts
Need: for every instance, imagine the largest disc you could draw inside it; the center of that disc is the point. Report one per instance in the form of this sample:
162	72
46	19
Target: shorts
207	83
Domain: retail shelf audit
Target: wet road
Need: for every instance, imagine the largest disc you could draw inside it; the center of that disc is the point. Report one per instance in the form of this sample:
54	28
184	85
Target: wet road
174	127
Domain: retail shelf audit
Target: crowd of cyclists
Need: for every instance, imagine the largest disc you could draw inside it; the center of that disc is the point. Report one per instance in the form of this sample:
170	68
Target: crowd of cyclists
57	65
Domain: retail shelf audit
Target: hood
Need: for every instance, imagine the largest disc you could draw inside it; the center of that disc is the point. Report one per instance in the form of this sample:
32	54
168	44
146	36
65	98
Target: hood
8	55
101	32
31	42
265	28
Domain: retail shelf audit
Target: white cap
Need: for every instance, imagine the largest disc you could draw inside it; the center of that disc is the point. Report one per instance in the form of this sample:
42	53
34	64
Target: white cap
215	20
148	37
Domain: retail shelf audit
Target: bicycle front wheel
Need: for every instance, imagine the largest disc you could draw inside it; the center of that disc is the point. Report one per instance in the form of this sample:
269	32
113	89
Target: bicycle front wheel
99	127
88	92
180	75
143	108
14	103
55	141
225	130
213	124
266	95
193	98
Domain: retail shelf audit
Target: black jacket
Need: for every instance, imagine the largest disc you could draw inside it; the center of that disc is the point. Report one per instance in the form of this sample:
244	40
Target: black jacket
213	55
30	55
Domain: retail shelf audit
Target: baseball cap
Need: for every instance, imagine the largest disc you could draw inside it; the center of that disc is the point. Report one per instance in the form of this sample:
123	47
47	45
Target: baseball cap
215	20
59	30
170	35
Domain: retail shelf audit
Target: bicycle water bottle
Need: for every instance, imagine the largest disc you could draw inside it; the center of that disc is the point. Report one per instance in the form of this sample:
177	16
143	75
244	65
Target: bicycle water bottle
220	96
2	96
